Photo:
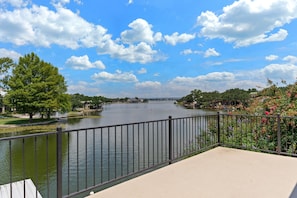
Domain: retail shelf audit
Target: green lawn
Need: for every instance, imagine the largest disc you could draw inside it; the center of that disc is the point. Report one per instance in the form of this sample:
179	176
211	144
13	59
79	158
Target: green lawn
20	121
12	124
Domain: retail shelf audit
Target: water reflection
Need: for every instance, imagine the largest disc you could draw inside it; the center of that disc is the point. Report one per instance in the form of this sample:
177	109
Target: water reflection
31	157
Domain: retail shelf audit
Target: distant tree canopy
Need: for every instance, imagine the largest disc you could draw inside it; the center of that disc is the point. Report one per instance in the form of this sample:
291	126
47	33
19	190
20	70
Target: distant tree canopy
36	86
210	99
77	100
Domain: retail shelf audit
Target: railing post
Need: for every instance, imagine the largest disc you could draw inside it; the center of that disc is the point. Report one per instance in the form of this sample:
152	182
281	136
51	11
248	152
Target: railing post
59	162
279	146
219	128
170	142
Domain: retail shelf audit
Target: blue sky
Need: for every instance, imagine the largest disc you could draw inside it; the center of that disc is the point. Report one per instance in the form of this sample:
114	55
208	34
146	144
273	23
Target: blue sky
155	48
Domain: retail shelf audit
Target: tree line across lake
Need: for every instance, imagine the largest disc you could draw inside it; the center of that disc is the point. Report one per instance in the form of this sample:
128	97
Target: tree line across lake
34	86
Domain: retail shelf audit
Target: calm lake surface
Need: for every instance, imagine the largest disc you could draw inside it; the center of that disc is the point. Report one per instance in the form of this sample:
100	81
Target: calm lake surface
122	113
18	157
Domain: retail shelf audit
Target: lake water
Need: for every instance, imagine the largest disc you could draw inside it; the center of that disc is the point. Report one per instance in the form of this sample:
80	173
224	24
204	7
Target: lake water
121	113
113	150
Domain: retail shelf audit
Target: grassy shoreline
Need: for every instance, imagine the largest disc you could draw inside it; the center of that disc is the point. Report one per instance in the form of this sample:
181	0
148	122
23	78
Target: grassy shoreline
11	124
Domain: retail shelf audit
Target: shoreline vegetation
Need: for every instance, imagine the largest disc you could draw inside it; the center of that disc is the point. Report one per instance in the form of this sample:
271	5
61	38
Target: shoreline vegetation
16	123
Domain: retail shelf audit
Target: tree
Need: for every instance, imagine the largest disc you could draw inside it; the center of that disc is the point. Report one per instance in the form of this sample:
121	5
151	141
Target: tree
36	86
5	64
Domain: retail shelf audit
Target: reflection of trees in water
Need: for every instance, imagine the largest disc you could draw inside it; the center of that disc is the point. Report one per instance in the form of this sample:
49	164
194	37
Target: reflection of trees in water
72	121
32	157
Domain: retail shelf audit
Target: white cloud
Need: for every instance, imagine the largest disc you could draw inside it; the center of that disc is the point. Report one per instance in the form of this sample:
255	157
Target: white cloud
271	57
116	77
39	26
15	3
214	76
178	38
190	51
83	63
247	22
141	53
277	72
142	71
10	54
148	85
211	52
291	59
83	87
130	2
140	32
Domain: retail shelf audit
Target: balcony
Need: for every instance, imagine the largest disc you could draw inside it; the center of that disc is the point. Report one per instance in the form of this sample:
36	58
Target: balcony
75	162
219	172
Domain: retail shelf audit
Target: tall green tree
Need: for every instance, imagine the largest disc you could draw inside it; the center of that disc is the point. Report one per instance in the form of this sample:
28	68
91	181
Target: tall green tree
5	64
36	86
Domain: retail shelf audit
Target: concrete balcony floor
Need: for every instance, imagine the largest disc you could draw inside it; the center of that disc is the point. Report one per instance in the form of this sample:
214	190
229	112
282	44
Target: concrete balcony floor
220	172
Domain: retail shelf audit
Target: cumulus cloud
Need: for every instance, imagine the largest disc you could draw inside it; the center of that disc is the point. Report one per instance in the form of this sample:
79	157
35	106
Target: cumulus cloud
176	38
247	22
291	59
277	72
83	87
190	51
83	63
148	84
10	54
119	76
214	76
141	31
142	71
141	53
15	3
271	57
211	52
40	26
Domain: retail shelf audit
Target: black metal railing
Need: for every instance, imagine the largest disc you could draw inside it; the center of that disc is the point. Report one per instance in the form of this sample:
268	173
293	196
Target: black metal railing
71	163
272	134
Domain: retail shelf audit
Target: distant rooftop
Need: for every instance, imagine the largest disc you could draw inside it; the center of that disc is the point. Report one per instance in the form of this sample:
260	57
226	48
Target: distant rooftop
220	172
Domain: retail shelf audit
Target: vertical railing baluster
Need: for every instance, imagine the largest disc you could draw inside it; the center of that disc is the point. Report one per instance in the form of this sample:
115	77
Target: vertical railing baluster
101	155
68	163
138	144
77	160
94	158
108	152
133	149
86	156
59	162
115	152
279	146
35	163
23	158
127	131
47	166
10	169
219	128
170	138
143	141
122	167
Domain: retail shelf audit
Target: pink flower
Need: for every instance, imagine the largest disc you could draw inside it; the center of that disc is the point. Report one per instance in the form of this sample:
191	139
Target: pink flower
266	113
264	120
